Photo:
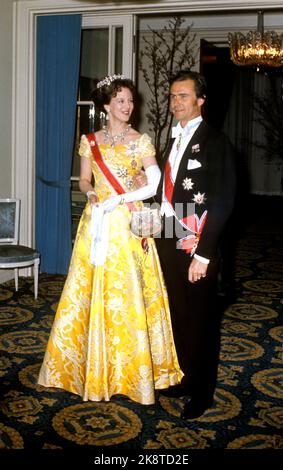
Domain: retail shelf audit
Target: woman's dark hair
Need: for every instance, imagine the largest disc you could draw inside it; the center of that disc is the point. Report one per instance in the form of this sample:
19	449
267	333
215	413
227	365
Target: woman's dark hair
108	88
197	78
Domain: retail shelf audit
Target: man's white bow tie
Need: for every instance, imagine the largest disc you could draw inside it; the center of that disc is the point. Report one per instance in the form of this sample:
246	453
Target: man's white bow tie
178	130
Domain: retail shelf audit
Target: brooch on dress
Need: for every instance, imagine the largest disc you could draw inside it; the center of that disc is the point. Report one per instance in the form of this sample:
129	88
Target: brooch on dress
122	172
133	151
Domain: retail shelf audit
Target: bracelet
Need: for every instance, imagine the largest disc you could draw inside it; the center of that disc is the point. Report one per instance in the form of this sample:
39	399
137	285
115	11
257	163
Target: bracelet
90	193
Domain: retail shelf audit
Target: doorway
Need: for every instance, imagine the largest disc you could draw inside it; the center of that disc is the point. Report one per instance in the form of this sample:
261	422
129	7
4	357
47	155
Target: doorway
219	72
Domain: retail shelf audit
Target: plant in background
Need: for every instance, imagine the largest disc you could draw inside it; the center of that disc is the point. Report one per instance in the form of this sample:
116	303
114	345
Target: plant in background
169	50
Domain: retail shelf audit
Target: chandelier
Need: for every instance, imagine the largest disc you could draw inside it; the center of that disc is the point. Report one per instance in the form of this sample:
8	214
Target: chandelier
257	48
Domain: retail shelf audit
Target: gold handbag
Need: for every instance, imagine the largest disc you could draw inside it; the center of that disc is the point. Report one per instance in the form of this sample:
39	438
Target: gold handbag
146	223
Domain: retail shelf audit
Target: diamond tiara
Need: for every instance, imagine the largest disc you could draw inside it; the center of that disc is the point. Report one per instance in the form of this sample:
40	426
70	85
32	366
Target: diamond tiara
108	80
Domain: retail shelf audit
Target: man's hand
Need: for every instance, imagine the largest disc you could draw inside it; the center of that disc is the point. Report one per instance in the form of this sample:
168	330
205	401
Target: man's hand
197	270
140	179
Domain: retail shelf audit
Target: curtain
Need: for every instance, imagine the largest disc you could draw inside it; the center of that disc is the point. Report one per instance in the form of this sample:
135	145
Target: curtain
266	162
257	173
238	126
57	74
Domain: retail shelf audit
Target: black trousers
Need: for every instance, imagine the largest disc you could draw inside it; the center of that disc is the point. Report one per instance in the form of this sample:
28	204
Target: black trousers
195	318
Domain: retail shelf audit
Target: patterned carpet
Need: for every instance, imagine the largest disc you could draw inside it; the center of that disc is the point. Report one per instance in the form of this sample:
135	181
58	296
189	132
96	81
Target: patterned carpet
247	412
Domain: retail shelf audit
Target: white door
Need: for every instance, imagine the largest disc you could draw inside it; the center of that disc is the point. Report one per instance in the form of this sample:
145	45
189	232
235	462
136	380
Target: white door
108	47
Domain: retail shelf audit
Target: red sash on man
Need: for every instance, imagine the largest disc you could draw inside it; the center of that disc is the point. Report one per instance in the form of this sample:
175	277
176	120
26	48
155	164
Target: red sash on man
195	225
169	185
191	223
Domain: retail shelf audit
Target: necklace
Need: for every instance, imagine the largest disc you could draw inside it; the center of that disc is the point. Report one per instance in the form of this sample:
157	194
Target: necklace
113	139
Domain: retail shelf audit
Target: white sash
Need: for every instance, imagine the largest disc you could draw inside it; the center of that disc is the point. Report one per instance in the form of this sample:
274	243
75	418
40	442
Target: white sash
99	229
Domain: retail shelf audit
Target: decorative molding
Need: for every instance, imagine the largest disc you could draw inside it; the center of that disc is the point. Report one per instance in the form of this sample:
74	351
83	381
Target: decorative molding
23	120
146	6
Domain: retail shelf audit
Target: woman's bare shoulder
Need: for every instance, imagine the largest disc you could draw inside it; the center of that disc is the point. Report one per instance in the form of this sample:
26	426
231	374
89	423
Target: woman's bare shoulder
133	134
99	136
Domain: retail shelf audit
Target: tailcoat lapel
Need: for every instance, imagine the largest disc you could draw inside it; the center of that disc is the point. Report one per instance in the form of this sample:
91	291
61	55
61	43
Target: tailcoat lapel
198	139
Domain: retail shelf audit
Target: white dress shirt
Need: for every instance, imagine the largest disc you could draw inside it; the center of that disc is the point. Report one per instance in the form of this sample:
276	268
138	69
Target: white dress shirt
182	137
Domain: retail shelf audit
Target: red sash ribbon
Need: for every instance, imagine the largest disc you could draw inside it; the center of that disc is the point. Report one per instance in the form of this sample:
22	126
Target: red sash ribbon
105	170
111	178
169	186
195	225
191	223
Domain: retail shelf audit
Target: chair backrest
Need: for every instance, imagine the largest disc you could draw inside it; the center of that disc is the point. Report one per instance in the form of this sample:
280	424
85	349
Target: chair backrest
9	220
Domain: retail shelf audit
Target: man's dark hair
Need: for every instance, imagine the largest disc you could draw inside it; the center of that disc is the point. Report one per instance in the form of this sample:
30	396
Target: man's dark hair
197	78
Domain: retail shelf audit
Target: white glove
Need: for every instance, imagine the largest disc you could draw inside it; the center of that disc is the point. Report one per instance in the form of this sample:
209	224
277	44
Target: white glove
153	175
111	203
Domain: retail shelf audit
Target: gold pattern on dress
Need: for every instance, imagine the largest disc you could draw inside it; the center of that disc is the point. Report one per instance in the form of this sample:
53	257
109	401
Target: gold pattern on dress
112	332
110	153
122	172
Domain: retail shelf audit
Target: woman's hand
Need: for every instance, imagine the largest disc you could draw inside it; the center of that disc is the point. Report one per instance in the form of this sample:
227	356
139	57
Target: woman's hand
140	179
93	199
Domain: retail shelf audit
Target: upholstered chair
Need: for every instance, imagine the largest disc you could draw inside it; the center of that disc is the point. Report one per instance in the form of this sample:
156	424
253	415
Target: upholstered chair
12	254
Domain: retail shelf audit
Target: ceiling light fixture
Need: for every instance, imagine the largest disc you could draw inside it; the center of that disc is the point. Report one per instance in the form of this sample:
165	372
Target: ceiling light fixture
257	48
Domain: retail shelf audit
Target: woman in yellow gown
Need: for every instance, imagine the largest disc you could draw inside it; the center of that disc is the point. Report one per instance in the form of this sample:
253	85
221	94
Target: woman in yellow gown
112	332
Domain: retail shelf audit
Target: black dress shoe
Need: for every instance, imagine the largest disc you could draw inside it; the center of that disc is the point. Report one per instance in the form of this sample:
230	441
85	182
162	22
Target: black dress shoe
195	408
176	391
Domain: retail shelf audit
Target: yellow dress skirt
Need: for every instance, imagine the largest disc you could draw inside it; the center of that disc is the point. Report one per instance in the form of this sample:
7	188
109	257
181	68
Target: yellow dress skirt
112	332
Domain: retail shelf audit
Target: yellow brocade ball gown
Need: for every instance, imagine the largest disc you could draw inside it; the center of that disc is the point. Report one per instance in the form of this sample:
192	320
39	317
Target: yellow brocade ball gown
112	332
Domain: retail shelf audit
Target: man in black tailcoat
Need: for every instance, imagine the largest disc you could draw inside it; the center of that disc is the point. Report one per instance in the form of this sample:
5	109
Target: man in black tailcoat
196	193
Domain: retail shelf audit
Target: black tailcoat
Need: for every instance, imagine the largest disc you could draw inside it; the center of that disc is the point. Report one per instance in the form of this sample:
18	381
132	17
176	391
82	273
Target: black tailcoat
194	314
